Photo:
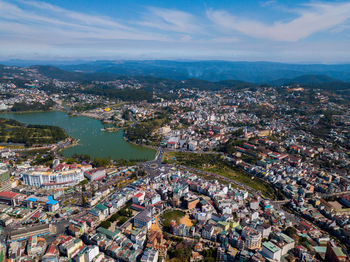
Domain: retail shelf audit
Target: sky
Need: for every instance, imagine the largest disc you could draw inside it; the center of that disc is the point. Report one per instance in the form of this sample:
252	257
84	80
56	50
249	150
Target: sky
294	31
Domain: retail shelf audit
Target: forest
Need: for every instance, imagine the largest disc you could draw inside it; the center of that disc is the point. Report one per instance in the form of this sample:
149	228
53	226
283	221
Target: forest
12	131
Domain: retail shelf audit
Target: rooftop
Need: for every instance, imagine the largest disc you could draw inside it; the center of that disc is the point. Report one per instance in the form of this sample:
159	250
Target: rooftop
270	246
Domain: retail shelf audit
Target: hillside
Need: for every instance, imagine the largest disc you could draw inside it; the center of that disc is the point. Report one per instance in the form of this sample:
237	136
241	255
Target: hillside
64	75
314	81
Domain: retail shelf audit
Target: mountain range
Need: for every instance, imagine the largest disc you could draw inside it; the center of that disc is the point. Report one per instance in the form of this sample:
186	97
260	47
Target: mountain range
211	75
256	72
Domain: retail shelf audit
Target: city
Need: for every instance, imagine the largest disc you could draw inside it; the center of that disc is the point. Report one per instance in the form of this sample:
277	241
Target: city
238	174
174	131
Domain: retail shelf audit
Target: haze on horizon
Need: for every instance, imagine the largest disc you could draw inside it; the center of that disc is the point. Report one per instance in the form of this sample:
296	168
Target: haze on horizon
294	31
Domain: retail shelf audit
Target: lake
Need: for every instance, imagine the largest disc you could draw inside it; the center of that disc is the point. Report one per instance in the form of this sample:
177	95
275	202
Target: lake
93	141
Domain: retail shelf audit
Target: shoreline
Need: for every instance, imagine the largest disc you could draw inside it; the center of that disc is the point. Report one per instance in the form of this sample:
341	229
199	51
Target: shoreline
76	140
27	112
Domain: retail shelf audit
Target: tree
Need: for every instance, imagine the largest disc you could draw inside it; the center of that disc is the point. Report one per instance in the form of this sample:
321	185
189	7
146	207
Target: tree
105	224
83	200
101	162
290	231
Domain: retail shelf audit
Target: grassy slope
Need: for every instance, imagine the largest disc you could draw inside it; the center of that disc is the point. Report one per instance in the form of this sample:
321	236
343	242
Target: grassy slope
215	164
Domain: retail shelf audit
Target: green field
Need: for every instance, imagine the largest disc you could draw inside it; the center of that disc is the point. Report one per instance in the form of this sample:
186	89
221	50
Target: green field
214	163
168	216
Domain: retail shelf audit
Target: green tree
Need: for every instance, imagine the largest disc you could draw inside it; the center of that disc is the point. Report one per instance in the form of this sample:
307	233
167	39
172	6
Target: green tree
101	162
290	231
83	200
105	224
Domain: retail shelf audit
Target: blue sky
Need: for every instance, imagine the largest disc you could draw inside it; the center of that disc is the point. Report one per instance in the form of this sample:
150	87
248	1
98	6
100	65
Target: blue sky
264	30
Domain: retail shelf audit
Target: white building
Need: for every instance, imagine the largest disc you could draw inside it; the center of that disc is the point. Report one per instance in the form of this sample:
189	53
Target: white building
91	253
271	251
286	243
95	174
61	176
252	238
3	106
150	255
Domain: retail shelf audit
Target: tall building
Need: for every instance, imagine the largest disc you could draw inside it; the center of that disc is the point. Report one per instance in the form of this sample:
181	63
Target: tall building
252	238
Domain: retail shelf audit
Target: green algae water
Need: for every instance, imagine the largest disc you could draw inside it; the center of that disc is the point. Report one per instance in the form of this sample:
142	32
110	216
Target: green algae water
92	140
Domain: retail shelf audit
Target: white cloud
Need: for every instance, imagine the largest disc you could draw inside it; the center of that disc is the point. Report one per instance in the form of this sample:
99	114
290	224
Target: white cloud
268	3
224	40
314	18
76	16
170	20
43	22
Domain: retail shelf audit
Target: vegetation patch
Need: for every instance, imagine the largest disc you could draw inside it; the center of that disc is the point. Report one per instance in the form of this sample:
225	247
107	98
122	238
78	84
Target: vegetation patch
168	216
214	163
12	131
36	106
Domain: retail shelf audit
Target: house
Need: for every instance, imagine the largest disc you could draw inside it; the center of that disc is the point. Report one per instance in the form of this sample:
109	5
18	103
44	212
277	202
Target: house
173	142
180	230
10	198
97	213
52	205
69	246
103	209
139	198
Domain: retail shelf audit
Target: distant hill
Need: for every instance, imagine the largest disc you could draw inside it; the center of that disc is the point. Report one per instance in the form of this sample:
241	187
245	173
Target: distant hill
148	82
257	72
163	84
57	73
314	81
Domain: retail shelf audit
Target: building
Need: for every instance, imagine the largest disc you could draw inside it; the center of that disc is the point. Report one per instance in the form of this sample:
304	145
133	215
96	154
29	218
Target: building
191	201
143	219
52	205
91	252
271	251
61	176
69	246
32	231
95	174
173	142
149	255
345	200
139	198
207	231
335	254
285	242
265	230
252	238
10	198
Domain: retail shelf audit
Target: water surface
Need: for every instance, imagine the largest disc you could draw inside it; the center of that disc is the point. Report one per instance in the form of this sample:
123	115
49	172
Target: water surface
93	141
